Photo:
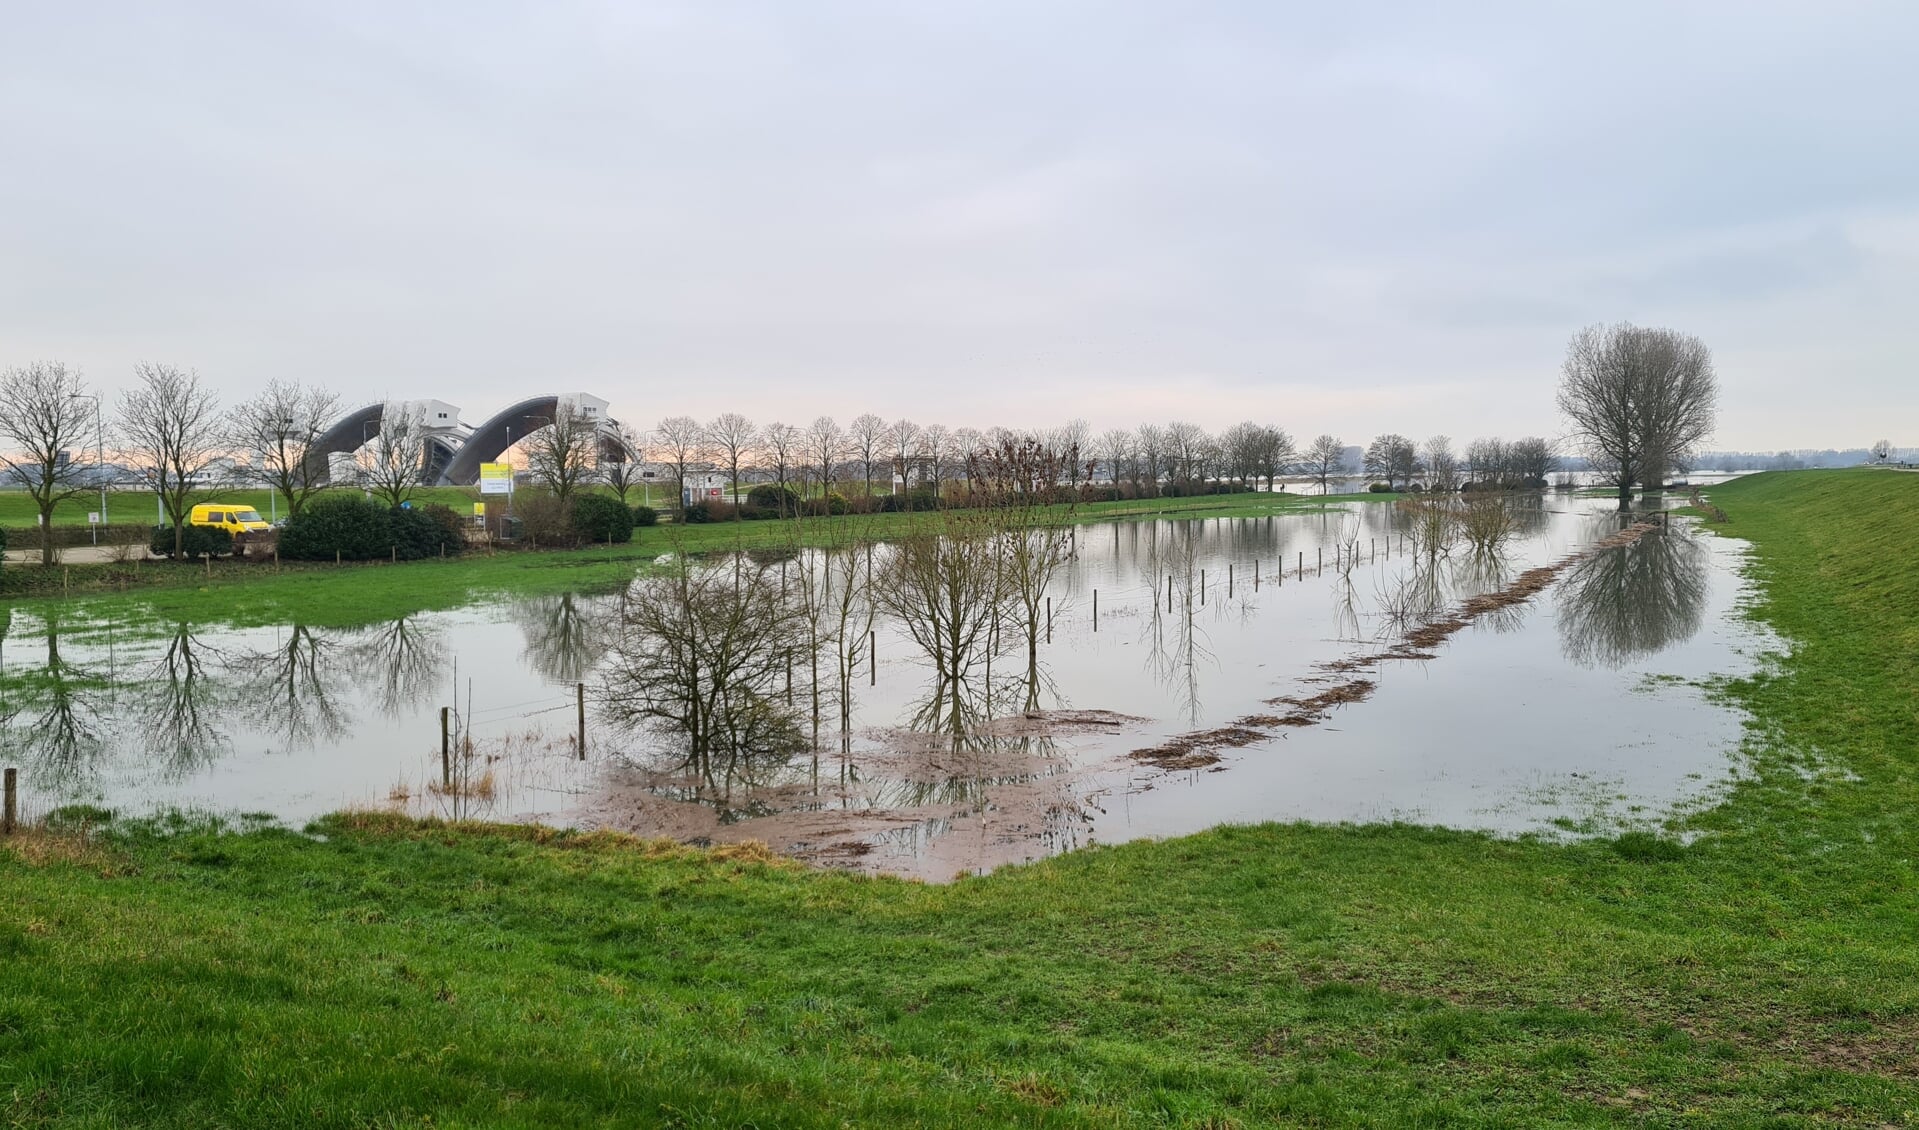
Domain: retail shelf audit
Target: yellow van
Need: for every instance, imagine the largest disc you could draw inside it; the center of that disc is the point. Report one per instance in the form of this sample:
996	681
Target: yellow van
232	517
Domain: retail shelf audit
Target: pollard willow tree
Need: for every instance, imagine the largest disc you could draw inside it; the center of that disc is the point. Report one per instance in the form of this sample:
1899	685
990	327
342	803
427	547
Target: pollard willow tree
50	425
1640	400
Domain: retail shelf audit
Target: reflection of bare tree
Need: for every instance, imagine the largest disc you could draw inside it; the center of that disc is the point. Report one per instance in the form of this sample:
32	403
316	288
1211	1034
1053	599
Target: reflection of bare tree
566	634
400	663
52	714
286	686
945	585
1175	650
178	707
1621	604
698	658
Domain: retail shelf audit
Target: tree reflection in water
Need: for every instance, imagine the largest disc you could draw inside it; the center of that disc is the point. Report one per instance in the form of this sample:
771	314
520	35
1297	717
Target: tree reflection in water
1175	647
179	711
53	714
400	662
287	687
566	635
1633	601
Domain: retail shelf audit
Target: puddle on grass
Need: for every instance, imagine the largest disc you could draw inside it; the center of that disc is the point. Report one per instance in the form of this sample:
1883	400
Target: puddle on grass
1576	710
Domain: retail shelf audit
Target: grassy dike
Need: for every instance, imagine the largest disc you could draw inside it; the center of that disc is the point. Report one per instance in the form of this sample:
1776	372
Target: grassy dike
390	973
324	594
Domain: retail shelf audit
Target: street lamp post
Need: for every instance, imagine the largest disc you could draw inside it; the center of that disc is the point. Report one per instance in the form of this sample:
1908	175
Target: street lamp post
99	459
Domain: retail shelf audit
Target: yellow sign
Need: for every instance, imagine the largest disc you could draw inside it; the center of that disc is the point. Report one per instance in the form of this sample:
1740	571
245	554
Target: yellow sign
496	478
479	510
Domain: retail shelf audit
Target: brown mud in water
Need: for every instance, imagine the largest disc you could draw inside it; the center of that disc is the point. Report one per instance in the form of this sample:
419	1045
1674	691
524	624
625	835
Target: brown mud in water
921	805
1204	748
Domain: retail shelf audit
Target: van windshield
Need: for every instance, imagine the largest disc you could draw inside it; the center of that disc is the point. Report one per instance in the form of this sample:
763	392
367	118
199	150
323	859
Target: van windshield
248	516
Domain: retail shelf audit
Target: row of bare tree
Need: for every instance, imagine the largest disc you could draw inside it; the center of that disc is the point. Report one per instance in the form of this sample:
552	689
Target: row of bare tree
1488	464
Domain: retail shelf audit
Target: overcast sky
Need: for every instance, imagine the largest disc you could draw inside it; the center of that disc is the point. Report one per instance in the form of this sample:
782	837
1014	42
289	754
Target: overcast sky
1348	218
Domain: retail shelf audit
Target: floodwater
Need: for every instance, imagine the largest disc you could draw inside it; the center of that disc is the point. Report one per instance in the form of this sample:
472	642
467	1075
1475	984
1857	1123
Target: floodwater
1240	670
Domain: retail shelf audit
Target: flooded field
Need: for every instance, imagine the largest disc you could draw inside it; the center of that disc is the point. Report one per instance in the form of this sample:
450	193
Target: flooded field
1327	666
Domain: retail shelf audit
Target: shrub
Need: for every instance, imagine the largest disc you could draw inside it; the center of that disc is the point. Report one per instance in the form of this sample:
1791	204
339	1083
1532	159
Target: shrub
199	541
696	514
353	528
779	500
1381	488
453	526
543	521
645	516
414	532
834	503
3	543
599	518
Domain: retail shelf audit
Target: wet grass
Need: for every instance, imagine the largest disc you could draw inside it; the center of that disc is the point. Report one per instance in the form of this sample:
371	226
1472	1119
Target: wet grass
1755	967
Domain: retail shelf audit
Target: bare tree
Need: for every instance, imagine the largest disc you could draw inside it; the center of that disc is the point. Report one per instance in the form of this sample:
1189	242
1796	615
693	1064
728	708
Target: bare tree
1488	463
731	437
1152	455
1186	445
393	461
944	583
52	425
867	439
1116	447
284	424
1882	450
628	470
697	656
1529	461
1324	458
1276	454
1074	435
680	442
1393	457
170	423
1441	464
783	443
903	440
967	442
1018	483
1640	400
1240	445
563	455
826	446
936	445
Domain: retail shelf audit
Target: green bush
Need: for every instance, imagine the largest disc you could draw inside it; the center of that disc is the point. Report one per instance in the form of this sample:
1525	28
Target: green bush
353	528
771	500
645	516
697	514
3	543
415	532
599	518
199	541
834	503
1381	488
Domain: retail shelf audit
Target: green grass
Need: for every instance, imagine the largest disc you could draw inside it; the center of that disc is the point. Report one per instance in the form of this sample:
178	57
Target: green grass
1763	974
320	594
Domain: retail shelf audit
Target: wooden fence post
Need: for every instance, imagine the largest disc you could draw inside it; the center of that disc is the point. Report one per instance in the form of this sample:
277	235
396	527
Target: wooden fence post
446	755
579	690
10	815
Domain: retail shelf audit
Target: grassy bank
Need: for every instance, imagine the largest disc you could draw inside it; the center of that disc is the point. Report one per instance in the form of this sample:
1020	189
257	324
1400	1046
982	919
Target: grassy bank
1763	974
321	593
